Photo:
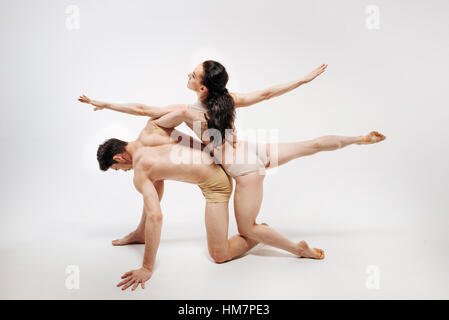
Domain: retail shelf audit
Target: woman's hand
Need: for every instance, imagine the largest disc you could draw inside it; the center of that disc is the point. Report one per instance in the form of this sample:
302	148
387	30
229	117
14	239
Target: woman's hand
84	99
135	277
315	73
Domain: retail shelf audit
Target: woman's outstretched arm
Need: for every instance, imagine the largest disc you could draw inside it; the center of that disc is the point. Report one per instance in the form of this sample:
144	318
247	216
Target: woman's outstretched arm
247	99
137	109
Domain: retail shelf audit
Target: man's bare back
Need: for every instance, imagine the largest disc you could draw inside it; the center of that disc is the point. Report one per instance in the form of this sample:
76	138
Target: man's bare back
168	154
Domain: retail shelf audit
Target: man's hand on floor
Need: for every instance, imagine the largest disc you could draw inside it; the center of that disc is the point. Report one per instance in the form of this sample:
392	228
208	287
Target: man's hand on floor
135	277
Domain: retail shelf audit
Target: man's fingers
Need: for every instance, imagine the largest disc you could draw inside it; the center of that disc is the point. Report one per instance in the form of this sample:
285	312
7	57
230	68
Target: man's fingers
128	284
126	274
123	282
136	284
142	284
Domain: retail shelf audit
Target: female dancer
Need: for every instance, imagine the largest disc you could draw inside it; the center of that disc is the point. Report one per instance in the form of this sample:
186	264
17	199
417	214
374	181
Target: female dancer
215	110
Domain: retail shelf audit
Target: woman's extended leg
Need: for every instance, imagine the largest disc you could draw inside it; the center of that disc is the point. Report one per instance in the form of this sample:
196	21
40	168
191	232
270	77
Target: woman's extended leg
281	153
249	189
247	201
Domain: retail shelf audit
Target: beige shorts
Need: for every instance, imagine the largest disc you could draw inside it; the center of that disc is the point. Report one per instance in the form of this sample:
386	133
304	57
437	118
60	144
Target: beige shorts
250	157
218	187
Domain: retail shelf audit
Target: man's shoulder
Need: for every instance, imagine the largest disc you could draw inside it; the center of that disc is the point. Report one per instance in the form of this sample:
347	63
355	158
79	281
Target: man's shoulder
142	159
141	167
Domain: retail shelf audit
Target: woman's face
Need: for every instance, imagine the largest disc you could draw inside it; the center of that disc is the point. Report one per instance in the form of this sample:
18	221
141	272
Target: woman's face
195	79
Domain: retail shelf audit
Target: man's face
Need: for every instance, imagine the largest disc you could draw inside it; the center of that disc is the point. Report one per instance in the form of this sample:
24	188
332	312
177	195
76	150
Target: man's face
122	166
195	78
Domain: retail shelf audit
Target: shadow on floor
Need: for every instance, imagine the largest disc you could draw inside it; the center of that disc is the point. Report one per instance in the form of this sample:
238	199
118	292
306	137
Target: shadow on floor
267	252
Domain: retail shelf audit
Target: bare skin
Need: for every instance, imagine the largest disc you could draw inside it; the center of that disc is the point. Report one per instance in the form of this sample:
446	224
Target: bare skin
372	137
248	192
138	235
224	253
249	187
152	165
135	237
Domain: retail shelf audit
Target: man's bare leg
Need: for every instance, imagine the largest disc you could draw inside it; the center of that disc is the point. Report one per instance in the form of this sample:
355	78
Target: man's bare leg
217	221
247	202
138	235
220	248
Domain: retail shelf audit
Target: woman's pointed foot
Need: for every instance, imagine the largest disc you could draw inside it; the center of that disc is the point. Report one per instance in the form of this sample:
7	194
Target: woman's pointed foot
370	138
306	252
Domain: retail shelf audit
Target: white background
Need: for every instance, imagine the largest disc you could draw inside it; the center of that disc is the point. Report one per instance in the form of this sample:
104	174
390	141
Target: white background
384	205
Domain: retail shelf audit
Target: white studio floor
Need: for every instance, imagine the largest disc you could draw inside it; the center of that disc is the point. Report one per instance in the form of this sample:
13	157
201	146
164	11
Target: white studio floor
411	264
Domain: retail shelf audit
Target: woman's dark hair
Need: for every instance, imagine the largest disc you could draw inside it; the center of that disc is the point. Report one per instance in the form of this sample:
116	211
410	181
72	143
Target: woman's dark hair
218	101
108	150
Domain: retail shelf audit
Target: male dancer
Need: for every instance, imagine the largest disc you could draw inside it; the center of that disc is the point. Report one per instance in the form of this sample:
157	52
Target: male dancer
157	155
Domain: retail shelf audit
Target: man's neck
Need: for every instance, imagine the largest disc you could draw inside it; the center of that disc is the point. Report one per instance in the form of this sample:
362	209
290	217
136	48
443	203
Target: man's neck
132	147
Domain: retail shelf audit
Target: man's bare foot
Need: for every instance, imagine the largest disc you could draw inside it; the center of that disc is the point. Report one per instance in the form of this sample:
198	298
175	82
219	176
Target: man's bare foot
372	137
306	252
133	237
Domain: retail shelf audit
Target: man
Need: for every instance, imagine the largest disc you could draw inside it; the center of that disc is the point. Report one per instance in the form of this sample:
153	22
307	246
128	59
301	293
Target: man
157	156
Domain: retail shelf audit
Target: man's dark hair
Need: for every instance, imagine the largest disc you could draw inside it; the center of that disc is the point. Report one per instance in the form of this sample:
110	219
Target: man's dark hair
108	150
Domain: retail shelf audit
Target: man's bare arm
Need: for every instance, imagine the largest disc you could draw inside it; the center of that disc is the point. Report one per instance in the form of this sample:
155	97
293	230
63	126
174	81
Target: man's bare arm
247	99
153	227
153	224
137	109
178	116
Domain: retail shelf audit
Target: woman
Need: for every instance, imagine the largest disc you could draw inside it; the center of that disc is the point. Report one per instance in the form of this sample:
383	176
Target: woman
215	112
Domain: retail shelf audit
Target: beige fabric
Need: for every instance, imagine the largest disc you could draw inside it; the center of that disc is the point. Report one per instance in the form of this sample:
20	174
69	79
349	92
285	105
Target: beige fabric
218	187
256	159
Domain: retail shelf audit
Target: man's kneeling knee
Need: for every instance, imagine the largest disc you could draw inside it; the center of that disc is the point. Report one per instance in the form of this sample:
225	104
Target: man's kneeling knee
219	256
